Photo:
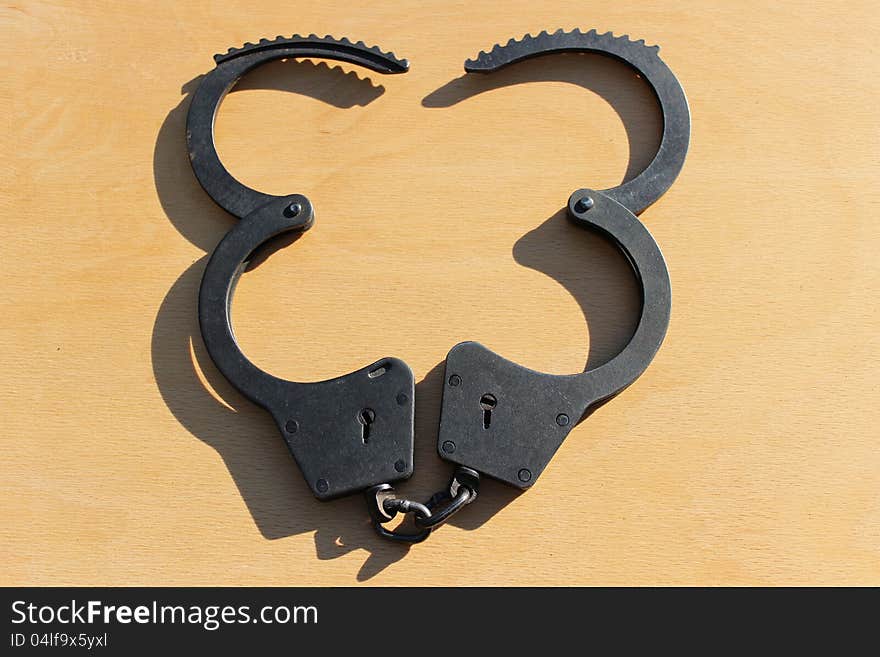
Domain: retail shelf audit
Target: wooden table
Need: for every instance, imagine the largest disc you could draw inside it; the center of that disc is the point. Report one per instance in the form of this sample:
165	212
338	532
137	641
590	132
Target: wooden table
748	453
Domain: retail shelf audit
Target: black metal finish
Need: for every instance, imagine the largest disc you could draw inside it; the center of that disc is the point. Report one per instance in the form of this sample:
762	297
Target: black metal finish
355	432
346	434
453	505
650	185
384	506
505	420
231	195
378	498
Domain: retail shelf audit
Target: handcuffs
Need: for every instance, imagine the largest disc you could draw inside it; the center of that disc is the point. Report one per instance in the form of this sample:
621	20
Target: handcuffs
354	433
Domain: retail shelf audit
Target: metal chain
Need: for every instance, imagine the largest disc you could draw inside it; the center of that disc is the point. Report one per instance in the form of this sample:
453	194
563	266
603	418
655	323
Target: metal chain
384	506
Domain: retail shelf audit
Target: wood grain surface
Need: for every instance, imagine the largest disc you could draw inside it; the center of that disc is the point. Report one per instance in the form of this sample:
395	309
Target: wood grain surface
748	453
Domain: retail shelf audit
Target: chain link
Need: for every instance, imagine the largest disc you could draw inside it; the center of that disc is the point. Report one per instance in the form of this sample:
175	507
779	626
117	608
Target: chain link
384	506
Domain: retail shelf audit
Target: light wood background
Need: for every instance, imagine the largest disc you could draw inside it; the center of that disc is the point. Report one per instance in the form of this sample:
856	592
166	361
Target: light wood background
749	453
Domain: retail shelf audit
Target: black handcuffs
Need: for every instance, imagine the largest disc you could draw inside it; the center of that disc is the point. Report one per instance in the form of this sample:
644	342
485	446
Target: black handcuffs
354	433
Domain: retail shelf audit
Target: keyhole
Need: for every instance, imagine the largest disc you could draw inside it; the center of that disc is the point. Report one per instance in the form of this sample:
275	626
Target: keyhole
366	417
487	403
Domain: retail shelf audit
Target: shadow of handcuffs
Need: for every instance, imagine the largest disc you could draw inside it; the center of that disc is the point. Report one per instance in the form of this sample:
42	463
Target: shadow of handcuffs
354	433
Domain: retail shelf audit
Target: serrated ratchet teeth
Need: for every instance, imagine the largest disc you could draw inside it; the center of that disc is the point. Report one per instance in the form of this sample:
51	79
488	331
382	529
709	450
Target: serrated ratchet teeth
282	41
559	40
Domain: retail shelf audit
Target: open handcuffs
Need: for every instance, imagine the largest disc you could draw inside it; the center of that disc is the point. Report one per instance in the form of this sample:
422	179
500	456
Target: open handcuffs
498	418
